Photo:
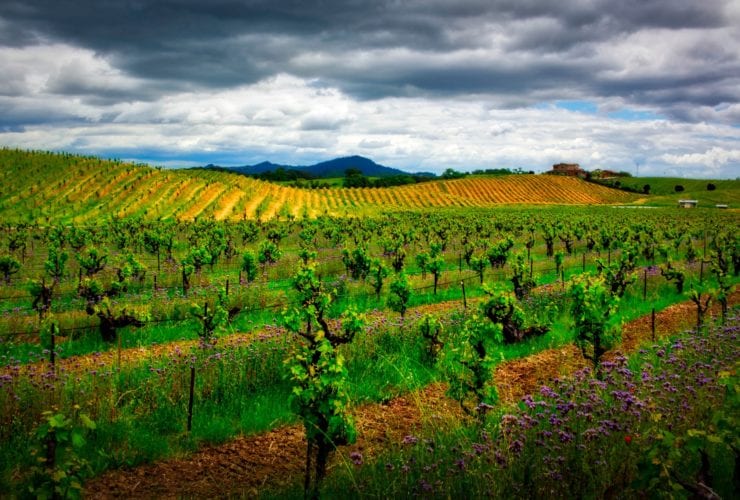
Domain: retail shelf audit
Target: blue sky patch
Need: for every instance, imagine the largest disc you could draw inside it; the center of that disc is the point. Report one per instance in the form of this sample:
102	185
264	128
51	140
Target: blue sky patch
634	115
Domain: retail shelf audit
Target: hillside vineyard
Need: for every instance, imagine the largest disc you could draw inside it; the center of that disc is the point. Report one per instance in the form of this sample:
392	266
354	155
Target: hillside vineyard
73	188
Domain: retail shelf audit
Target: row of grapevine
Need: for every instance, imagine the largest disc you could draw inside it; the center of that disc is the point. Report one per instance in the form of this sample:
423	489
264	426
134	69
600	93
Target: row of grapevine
47	187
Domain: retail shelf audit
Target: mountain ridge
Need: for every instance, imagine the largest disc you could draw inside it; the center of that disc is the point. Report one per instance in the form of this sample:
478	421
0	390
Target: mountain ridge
325	169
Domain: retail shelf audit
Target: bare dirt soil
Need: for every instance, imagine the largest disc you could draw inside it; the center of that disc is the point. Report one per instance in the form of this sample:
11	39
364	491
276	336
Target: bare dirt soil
247	464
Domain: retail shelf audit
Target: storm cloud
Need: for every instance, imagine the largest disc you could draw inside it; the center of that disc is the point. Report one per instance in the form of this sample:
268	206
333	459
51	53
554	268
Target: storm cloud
417	84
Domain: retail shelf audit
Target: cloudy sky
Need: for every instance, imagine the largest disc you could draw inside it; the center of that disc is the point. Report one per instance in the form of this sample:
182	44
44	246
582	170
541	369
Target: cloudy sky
421	84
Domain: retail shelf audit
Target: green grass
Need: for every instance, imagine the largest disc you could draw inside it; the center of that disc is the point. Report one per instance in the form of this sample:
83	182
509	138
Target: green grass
463	460
179	324
245	392
662	191
141	410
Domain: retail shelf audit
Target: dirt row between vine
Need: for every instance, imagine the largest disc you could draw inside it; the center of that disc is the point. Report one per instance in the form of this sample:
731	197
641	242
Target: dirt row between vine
248	464
109	360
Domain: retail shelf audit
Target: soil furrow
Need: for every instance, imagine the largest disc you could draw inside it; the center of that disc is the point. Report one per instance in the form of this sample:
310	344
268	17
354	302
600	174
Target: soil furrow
272	459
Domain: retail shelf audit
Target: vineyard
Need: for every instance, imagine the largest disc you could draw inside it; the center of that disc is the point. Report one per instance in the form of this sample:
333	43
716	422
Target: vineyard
222	336
59	187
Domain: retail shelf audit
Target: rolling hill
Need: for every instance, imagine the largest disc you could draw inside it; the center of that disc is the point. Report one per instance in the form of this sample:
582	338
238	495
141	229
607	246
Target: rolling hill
663	190
43	187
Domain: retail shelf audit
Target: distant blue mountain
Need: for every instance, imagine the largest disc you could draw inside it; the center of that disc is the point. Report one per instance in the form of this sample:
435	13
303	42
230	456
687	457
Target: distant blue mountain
336	168
325	169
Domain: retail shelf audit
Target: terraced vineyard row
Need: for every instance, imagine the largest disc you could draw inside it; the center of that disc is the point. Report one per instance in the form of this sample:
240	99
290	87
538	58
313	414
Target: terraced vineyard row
49	186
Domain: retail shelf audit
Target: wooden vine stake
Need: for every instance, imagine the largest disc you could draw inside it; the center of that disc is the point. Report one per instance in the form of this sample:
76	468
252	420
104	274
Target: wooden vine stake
53	328
644	285
531	267
190	399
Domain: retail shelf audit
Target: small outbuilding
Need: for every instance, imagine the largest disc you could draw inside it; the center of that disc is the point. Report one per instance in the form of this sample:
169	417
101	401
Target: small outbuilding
688	203
720	206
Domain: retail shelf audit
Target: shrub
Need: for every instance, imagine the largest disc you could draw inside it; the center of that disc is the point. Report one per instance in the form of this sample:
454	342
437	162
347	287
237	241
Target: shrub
469	364
594	308
249	265
60	471
400	294
318	373
8	267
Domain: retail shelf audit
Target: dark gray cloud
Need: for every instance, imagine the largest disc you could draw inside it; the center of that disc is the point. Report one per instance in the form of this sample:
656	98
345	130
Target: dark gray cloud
453	79
225	43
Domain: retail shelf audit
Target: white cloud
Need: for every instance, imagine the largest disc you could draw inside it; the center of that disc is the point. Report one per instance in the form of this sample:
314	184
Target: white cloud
269	119
712	159
59	97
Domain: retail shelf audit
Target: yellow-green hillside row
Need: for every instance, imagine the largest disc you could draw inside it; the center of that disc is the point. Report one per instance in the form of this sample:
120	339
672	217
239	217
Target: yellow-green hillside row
42	186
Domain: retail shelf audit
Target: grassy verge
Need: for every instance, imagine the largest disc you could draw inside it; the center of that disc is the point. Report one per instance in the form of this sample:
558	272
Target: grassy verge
661	423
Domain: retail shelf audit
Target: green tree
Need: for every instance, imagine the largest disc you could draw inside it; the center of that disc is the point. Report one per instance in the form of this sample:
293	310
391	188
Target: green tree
217	244
77	238
249	265
92	291
378	272
619	275
212	318
594	308
430	329
675	273
451	173
18	240
8	267
567	236
42	295
478	264
469	364
520	278
268	253
112	319
400	294
397	259
59	470
55	262
318	374
353	178
548	234
559	257
153	242
422	262
502	308
435	266
720	260
129	268
498	253
248	230
357	262
187	271
92	260
198	257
